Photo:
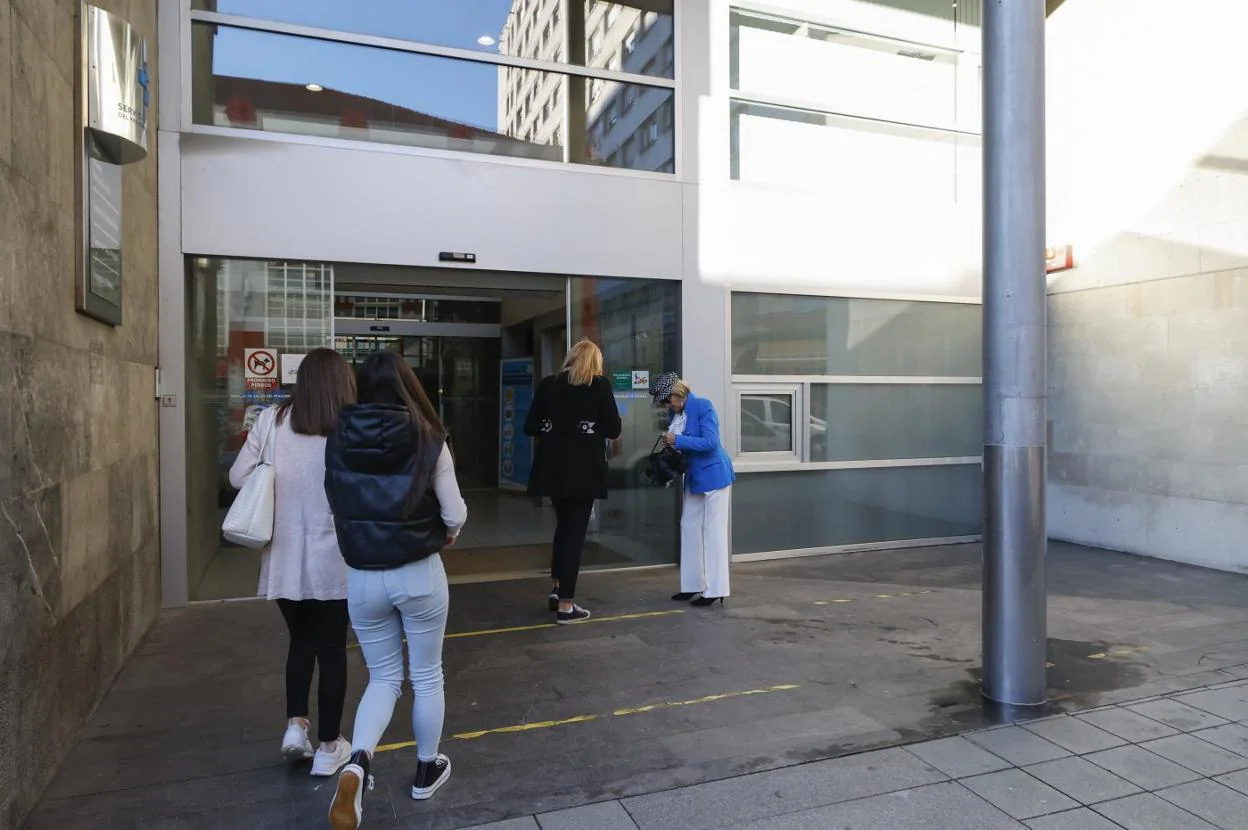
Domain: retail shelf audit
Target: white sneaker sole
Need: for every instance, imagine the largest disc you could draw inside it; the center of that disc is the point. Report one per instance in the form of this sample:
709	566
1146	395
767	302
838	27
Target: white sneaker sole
295	754
427	792
347	812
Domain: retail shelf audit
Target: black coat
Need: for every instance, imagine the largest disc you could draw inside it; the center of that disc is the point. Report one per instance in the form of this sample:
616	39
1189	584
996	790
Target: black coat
372	461
572	425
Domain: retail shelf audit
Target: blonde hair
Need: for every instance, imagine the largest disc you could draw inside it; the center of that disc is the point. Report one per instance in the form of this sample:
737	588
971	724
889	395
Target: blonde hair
680	389
583	363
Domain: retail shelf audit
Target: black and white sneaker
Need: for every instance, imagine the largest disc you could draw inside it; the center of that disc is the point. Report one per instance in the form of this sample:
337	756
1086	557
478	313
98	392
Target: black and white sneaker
430	775
577	614
347	811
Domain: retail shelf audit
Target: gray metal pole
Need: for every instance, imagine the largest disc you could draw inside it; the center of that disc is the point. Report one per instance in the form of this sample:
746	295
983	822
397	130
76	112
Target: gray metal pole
1015	374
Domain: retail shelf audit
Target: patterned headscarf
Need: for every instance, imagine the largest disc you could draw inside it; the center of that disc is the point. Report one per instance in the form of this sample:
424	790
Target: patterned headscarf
661	387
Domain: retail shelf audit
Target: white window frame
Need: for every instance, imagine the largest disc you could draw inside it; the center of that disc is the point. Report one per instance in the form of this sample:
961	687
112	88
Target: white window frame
798	425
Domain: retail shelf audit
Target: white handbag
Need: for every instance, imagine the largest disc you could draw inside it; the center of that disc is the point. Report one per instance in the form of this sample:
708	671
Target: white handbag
250	520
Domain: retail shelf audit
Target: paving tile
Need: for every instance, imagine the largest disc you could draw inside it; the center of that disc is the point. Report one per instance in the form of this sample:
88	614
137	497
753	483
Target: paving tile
1197	755
1213	802
526	823
1082	780
1018	794
1018	746
1126	724
1177	715
608	815
957	757
1230	703
947	806
1074	735
1233	736
1081	819
1235	780
1142	768
781	791
1148	812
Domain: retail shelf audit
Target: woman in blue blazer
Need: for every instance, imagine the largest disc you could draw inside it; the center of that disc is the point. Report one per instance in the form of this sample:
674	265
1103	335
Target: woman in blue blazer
704	546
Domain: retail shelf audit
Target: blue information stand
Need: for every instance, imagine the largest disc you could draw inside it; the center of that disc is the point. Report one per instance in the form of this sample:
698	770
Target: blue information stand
515	449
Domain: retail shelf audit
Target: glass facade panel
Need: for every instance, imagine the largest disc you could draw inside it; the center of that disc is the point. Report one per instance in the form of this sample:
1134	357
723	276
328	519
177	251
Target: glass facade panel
766	423
858	422
637	324
255	80
783	145
911	84
632	37
237	305
782	334
824	508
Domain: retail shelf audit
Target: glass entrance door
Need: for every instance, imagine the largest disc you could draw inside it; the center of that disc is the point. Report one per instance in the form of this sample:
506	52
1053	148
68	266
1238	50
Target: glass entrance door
461	377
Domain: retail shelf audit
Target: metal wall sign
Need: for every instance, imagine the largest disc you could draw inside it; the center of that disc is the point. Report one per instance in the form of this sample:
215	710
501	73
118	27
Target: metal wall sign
118	85
113	102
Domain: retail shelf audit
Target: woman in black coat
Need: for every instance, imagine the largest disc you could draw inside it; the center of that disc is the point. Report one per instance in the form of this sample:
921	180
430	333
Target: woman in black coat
572	417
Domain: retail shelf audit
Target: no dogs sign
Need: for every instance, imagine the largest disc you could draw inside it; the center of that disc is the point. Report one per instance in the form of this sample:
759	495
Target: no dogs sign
260	369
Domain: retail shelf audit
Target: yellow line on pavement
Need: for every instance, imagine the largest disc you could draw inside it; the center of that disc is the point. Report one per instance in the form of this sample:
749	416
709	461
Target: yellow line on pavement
618	618
550	724
539	626
654	707
876	596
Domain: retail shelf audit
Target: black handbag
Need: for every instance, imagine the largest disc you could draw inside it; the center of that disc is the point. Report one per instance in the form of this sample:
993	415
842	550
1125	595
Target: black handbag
664	466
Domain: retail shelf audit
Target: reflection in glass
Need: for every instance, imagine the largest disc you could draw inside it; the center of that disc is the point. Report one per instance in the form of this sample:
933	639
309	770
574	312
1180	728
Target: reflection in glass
858	422
823	508
104	205
632	37
782	334
237	305
637	324
766	423
255	80
420	309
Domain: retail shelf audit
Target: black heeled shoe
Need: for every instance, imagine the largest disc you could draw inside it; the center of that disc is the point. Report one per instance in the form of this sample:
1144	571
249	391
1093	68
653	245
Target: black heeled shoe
702	602
684	596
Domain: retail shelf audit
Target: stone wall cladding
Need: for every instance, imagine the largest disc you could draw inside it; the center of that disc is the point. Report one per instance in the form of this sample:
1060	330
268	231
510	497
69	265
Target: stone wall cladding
79	534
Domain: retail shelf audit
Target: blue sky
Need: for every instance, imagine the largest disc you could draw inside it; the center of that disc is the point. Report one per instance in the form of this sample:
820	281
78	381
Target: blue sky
458	90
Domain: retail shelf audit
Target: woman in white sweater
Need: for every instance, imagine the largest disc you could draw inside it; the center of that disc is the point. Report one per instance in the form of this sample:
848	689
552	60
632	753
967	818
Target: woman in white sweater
302	569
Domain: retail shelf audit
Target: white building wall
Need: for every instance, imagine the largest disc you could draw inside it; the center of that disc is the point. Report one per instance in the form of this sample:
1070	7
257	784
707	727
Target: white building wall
1148	177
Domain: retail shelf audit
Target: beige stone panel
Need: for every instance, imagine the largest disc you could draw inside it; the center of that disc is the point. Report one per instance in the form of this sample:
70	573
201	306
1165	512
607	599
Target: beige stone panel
40	18
51	435
89	545
6	82
30	124
1223	330
10	238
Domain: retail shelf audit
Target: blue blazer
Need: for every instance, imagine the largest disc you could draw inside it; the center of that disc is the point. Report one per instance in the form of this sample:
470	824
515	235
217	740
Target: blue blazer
709	466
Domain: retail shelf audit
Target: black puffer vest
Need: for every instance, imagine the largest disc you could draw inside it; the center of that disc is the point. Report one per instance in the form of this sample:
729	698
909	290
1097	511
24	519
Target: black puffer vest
371	461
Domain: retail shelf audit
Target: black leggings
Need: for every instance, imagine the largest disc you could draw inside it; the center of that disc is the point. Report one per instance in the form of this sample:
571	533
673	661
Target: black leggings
318	634
571	525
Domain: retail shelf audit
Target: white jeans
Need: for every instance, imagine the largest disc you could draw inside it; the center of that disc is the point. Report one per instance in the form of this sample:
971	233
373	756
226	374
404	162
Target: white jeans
704	549
385	605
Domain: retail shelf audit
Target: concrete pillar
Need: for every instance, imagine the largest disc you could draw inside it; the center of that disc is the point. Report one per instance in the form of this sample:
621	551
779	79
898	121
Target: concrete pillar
1014	616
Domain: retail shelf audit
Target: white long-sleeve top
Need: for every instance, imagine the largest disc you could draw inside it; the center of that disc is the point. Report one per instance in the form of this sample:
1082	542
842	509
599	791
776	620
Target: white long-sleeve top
446	487
302	562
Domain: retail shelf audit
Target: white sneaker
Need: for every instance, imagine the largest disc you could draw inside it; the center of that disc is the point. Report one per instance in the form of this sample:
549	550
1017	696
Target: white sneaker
327	762
296	745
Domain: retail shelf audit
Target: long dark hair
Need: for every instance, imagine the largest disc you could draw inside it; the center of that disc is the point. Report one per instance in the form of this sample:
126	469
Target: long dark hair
384	378
323	386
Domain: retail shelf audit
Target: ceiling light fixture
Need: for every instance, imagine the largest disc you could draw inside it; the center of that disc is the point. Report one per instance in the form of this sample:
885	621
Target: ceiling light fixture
314	88
485	40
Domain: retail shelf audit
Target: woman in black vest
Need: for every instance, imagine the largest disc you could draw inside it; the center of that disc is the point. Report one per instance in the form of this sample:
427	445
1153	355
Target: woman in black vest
391	485
573	416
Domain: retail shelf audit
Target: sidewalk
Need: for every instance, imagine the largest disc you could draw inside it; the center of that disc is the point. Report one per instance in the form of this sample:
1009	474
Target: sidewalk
812	675
1173	762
